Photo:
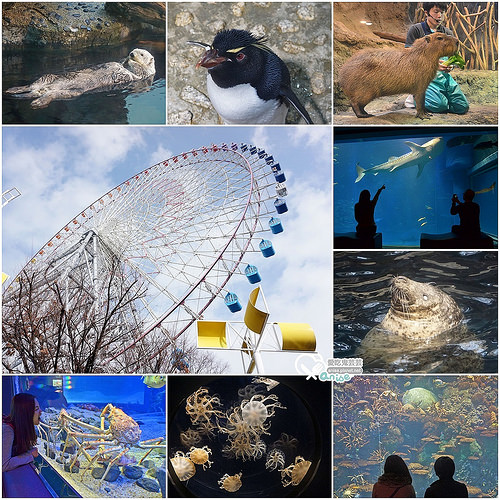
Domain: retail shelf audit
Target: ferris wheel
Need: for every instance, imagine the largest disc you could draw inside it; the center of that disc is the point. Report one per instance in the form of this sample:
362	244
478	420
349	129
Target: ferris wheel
147	258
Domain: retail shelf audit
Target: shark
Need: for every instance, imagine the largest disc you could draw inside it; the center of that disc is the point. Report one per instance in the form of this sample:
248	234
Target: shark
419	155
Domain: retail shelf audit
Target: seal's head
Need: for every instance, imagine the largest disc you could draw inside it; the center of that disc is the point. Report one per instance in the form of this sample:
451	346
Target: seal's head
141	63
423	304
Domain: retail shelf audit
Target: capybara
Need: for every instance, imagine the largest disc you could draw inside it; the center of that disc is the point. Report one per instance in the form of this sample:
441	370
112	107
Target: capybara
377	72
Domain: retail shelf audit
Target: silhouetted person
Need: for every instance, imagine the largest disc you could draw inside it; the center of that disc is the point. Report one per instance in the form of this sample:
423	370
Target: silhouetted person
446	486
396	480
468	211
364	213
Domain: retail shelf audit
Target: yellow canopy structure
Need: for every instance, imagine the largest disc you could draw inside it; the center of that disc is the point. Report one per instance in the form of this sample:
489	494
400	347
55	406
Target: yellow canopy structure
255	319
297	337
212	334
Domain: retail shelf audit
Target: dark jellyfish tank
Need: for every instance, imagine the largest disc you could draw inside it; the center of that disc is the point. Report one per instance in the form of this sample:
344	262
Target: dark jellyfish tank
417	198
248	437
419	418
90	423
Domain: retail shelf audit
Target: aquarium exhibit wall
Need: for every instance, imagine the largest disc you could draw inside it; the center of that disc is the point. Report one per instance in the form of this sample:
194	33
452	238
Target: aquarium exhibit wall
418	418
98	436
421	169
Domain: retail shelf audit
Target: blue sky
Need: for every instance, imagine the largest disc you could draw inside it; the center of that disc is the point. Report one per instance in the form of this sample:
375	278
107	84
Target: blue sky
62	170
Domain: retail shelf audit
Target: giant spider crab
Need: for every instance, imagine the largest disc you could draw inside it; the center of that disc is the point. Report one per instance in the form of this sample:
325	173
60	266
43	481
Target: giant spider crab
111	443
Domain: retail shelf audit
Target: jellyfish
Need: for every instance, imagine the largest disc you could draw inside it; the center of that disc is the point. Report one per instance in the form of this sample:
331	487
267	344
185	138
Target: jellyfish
200	406
200	456
183	466
274	459
255	411
190	437
294	473
230	483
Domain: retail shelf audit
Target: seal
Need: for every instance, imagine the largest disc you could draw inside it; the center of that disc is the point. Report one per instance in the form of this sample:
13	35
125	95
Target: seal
136	70
423	326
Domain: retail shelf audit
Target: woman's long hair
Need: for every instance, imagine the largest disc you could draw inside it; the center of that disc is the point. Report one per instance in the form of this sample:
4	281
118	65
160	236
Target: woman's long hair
22	409
396	471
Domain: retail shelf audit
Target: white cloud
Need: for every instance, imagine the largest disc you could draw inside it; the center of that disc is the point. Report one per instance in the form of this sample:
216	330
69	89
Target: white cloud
160	154
97	149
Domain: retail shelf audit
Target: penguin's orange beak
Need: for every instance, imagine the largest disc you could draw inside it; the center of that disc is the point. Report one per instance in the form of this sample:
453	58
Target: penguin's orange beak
210	59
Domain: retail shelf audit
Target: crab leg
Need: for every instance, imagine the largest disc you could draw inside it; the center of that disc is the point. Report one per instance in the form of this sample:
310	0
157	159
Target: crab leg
155	443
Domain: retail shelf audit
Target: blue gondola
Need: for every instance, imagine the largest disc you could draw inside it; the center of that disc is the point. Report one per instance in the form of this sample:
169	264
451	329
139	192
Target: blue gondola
232	302
280	206
234	146
253	150
262	153
244	147
266	247
275	225
276	168
280	176
252	274
269	160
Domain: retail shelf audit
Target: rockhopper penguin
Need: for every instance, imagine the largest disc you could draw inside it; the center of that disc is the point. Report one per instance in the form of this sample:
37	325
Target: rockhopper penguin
247	82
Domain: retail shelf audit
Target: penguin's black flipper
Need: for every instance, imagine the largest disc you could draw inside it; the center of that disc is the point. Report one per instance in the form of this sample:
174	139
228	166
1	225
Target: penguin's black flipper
287	94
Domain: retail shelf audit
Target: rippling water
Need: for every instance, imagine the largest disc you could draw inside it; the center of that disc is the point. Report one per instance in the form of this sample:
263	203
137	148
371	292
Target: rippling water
146	106
362	299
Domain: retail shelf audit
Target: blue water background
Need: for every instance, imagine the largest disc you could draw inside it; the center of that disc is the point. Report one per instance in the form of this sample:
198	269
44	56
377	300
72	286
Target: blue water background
147	106
411	205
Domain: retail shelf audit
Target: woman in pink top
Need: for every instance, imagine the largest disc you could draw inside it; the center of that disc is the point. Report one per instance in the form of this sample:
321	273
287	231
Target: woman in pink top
18	431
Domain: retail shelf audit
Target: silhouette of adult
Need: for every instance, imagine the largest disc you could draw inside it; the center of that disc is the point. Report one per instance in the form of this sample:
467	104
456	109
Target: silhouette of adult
446	486
364	213
396	480
468	211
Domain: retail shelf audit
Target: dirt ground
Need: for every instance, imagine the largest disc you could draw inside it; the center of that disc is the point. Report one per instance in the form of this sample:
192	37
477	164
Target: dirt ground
351	33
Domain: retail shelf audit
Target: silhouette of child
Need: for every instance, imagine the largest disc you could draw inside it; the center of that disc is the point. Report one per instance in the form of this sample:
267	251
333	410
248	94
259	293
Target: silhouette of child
364	213
468	211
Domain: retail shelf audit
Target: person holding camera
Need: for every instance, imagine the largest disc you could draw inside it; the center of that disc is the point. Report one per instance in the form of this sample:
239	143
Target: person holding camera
468	211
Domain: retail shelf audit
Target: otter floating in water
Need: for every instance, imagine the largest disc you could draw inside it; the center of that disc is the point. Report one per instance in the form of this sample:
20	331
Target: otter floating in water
424	331
137	68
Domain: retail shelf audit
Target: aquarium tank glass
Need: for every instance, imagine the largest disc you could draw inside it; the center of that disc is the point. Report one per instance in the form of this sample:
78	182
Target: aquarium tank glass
419	188
99	436
420	419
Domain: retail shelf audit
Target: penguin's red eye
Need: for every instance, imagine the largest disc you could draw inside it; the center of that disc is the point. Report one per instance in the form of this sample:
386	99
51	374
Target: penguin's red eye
240	56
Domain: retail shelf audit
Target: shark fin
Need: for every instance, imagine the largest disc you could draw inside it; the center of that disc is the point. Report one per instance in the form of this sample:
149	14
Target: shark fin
361	172
420	169
414	147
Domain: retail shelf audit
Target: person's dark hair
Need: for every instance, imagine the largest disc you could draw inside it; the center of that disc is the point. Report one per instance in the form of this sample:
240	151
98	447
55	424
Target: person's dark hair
395	468
427	6
22	409
469	195
364	196
444	467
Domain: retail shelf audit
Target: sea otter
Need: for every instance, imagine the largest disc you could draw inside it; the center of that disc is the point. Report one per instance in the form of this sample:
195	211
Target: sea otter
137	68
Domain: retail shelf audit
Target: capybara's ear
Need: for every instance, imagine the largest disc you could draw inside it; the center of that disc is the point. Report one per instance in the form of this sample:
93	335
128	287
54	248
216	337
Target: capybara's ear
427	39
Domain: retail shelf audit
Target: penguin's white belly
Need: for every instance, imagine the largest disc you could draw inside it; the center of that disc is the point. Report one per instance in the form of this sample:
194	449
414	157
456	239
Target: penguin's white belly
241	105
